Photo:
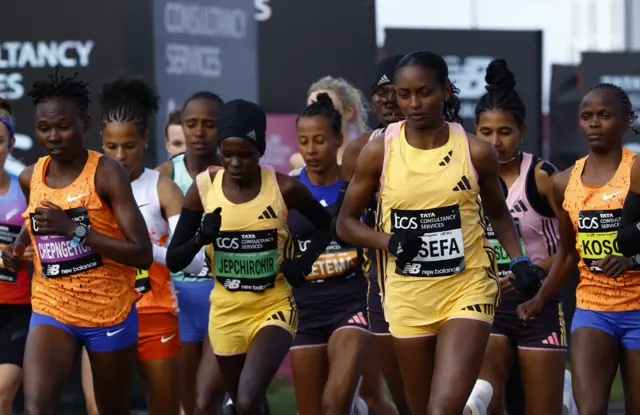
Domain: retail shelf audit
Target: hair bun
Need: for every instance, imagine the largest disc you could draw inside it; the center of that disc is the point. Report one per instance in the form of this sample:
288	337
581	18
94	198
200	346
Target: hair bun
499	77
132	90
325	99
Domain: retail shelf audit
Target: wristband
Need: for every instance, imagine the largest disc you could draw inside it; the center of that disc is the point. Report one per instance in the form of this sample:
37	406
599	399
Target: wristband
519	259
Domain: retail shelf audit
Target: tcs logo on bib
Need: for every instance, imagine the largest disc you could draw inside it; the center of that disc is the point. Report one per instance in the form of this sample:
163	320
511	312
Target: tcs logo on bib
227	243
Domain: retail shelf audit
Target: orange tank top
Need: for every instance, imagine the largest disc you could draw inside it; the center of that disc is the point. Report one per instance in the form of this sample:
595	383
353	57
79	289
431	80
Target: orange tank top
596	213
77	286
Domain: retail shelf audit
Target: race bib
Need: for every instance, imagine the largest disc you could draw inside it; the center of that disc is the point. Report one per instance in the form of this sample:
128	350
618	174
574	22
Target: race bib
57	257
336	261
246	261
442	251
204	274
143	284
8	234
502	258
597	232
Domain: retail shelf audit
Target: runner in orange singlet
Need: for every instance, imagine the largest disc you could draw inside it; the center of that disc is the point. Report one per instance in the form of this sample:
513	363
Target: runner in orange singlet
589	196
88	233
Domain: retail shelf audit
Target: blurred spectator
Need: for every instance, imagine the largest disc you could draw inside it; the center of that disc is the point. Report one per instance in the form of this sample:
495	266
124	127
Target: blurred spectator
174	140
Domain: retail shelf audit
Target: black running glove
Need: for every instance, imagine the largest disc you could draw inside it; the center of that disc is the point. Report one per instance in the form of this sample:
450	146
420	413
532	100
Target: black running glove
528	277
295	271
405	245
210	227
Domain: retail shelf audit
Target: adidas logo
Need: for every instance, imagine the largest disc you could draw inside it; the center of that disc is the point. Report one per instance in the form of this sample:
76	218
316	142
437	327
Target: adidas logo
384	79
446	159
463	184
268	213
252	134
519	207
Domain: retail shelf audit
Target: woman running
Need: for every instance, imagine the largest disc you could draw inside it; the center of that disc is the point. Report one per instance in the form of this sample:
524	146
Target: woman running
174	141
200	382
589	198
349	102
88	233
127	105
541	345
384	360
439	281
15	287
333	337
245	206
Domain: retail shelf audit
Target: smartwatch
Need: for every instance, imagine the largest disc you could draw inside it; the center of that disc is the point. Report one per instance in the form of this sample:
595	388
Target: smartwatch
80	233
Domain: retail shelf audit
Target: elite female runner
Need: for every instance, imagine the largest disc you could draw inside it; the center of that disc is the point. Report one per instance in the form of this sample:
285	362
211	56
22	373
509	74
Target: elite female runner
200	382
15	288
253	316
349	102
88	233
440	278
589	197
541	345
384	360
127	105
333	337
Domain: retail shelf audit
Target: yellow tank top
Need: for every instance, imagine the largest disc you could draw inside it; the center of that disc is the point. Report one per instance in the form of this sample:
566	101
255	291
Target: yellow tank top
253	240
435	192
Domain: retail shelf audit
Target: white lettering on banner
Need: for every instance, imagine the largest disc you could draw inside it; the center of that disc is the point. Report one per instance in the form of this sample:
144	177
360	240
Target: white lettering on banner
211	21
468	75
195	60
263	10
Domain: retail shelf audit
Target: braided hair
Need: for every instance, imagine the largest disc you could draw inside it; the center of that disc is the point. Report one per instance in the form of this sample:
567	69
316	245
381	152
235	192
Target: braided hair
59	86
324	106
501	94
128	100
437	64
622	95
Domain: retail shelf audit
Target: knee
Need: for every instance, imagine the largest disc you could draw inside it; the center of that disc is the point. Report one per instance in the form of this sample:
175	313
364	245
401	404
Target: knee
246	404
592	408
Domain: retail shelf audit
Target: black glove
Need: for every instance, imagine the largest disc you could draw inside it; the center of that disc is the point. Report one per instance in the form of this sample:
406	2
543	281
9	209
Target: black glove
210	227
295	272
405	245
528	277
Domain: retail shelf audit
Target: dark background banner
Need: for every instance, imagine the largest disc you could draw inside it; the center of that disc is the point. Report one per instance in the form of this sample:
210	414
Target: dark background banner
96	39
298	44
203	45
468	52
619	68
566	145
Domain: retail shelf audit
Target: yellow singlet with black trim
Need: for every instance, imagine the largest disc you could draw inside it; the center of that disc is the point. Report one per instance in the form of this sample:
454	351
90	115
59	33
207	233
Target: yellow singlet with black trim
435	192
249	291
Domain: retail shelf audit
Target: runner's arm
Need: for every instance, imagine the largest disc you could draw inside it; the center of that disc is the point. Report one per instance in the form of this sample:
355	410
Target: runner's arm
629	234
171	200
544	183
185	245
364	182
165	168
297	196
25	184
113	185
485	161
567	257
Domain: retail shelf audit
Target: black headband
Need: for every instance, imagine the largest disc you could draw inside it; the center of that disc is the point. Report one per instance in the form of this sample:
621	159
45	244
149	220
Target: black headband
384	72
244	119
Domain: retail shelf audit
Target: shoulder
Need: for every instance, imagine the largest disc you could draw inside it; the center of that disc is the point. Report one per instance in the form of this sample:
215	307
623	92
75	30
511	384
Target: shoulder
544	171
482	153
165	184
561	180
296	161
107	164
24	178
165	168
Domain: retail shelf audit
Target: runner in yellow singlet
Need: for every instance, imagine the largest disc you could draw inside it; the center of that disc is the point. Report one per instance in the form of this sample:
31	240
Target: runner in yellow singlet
253	316
439	279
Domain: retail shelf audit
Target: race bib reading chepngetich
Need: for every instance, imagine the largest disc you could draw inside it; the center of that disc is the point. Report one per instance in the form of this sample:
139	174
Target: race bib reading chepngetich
442	252
57	256
247	260
597	232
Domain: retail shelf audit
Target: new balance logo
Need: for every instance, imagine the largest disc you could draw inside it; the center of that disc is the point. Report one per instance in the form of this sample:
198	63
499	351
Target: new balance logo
519	207
383	80
552	340
463	184
446	159
251	134
269	213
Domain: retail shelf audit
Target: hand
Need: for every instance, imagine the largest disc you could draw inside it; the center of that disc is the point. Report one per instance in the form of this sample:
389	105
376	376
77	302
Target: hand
528	277
613	266
29	253
507	284
294	272
405	245
529	309
210	226
52	220
13	257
